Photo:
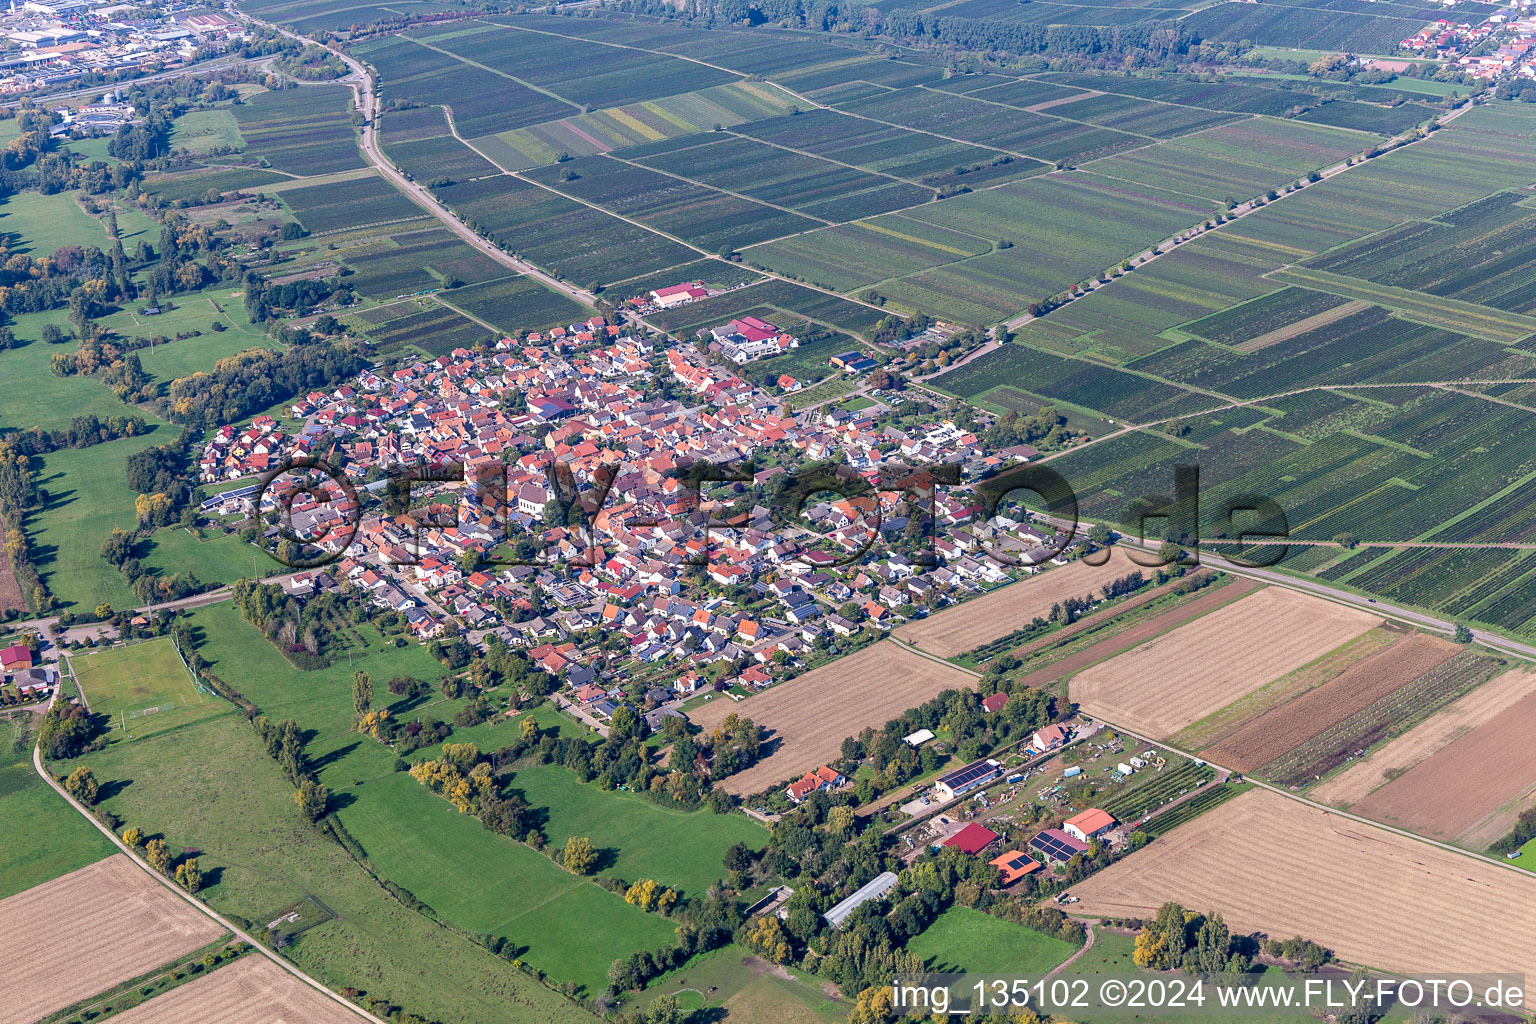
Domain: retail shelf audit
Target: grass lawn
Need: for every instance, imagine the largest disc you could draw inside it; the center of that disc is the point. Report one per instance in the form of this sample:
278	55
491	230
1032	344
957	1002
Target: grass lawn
120	681
198	131
44	836
216	558
571	928
37	224
748	989
567	926
966	940
88	494
637	838
212	786
42	399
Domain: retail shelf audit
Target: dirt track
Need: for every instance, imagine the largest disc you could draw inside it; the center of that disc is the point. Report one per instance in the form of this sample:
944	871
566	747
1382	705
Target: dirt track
1283	728
1465	781
1425	739
251	990
809	717
93	928
980	621
1274	865
1196	670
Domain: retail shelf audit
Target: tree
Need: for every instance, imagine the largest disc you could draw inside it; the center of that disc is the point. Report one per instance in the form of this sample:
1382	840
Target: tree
840	821
158	855
1463	635
1345	540
362	691
312	799
643	894
188	875
766	936
81	785
873	1006
578	856
133	836
665	1009
1150	951
529	729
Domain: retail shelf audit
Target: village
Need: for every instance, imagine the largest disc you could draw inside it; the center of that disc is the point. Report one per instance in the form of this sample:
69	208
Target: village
576	538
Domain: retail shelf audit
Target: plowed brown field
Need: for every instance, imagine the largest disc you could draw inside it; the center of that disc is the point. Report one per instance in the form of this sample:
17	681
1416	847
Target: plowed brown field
969	625
810	716
1286	727
87	931
1275	865
1465	781
1196	670
252	990
1425	739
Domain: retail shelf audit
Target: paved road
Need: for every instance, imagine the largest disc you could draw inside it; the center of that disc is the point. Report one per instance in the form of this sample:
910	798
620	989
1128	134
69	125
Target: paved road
204	909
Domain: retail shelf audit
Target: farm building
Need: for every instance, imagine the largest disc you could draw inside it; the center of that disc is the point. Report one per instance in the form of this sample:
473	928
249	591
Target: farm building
918	738
874	889
1089	825
1058	845
963	780
677	295
972	839
1015	865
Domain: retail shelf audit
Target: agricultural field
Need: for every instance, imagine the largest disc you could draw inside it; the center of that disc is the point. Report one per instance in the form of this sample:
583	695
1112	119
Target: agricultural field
301	131
140	687
436	331
251	988
417	256
1389	762
1236	162
666	117
1277	731
45	836
1050	232
712	273
828	191
1264	321
981	620
867	252
962	940
1469	789
198	184
834	312
808	718
1239	647
1255	859
421	141
38	224
89	930
361	202
516	303
562	236
701	216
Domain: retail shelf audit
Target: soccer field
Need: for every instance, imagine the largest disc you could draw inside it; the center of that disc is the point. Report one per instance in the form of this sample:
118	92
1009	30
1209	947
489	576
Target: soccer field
133	684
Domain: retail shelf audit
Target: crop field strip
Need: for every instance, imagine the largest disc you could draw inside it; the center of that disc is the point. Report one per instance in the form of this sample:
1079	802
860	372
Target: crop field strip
1242	646
1390	761
983	619
809	716
1412	908
252	988
301	131
89	930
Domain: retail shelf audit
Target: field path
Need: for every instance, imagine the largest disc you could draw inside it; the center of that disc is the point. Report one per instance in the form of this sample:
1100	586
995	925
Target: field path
240	933
1082	950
